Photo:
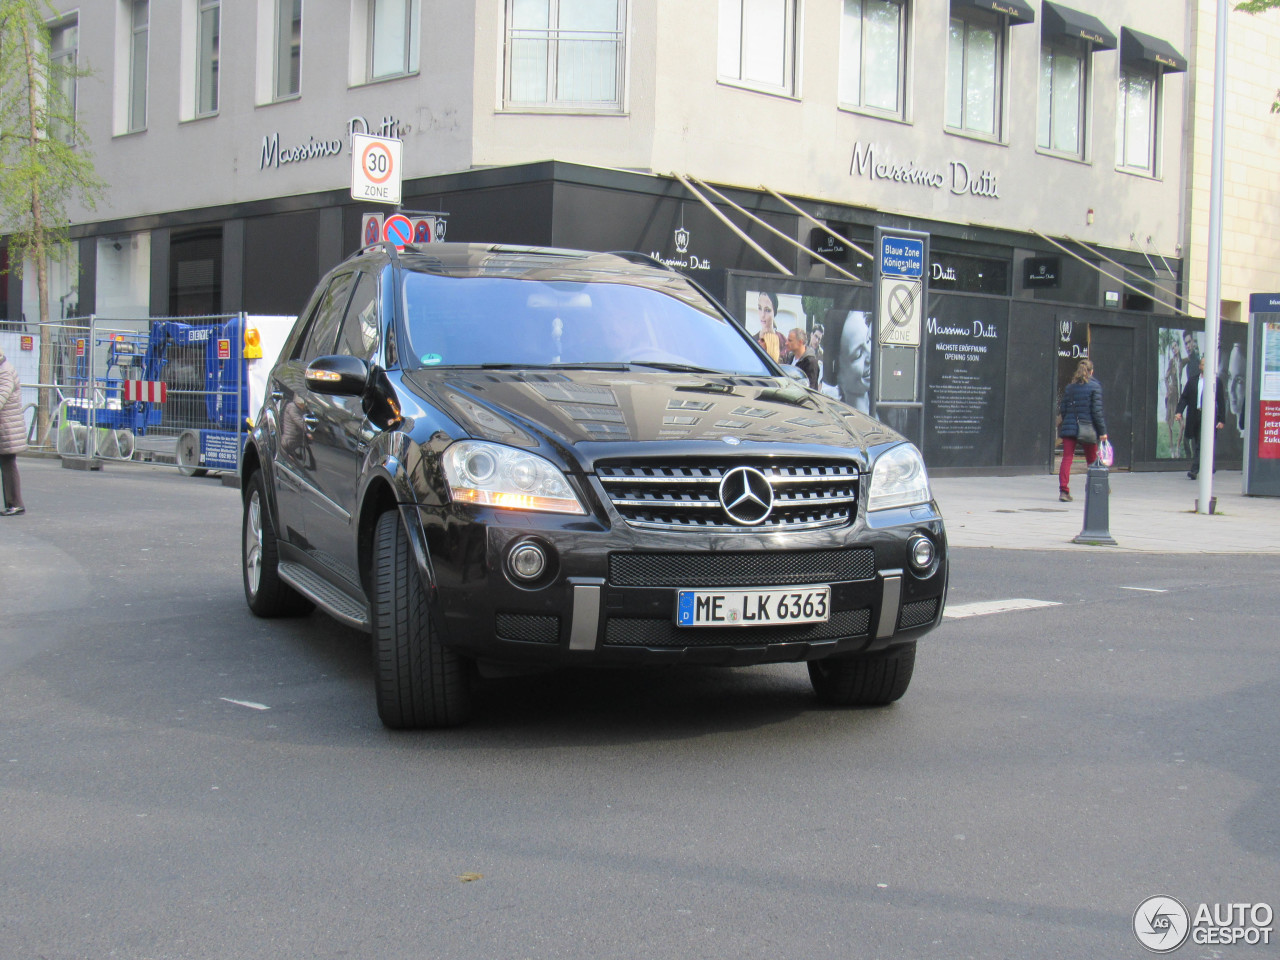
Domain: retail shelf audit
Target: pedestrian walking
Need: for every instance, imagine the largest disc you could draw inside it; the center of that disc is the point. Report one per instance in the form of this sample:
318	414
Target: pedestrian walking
1191	401
1080	423
13	439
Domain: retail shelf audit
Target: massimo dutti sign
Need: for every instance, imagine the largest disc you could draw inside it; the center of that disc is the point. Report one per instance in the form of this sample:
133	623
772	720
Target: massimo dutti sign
275	156
873	162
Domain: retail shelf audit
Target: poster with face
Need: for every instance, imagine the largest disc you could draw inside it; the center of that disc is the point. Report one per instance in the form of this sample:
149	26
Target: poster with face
771	316
846	372
1178	354
818	310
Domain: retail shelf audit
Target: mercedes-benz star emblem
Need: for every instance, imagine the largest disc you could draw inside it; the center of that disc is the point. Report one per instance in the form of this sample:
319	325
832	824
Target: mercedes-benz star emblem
746	496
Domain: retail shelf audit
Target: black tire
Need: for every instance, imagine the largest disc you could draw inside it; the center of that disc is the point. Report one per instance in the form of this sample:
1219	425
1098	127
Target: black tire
420	682
264	591
869	680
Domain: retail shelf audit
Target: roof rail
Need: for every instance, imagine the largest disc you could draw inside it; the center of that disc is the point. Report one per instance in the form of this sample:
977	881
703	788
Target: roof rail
634	256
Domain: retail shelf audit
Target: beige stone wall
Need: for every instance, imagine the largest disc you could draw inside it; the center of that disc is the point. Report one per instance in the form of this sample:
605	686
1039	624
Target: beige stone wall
1251	159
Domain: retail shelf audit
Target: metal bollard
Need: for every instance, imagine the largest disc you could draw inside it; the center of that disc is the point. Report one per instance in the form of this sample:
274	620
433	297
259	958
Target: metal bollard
1096	507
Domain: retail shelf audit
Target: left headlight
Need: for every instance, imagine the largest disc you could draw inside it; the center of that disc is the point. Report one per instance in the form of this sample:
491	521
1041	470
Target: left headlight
898	479
498	476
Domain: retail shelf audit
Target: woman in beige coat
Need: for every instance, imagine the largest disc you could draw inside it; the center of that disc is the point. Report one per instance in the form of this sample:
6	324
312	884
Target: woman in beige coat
13	439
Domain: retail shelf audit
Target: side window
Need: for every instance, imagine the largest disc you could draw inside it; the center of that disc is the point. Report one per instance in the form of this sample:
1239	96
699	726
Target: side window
359	334
324	328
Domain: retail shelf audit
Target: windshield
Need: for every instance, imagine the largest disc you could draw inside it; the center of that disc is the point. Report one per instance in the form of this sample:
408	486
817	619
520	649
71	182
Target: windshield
483	321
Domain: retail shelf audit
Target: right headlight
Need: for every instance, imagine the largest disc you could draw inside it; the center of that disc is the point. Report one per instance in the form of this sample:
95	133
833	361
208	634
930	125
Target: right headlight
898	479
488	473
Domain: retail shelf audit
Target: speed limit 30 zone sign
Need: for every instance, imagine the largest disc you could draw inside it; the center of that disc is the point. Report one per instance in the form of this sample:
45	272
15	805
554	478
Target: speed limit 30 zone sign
375	168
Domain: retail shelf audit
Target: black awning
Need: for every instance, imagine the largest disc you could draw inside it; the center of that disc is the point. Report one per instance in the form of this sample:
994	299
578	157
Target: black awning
1060	21
1018	11
1137	47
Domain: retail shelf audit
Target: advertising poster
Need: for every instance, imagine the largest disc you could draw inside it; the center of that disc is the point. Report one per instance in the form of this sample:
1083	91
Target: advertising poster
836	319
1178	355
965	371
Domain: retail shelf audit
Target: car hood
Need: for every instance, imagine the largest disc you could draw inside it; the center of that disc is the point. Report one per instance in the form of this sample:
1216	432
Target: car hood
579	408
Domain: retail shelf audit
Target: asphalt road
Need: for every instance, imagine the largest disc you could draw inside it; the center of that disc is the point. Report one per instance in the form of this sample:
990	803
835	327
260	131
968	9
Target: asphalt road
181	780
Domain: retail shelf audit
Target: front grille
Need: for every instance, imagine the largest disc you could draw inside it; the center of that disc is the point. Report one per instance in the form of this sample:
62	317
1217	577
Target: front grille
527	627
659	633
740	569
918	613
686	495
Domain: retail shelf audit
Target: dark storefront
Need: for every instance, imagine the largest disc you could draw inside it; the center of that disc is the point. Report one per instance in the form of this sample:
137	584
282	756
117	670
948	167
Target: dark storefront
1006	316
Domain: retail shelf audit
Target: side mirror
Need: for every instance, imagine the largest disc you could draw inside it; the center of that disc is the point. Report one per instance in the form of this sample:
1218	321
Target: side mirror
337	375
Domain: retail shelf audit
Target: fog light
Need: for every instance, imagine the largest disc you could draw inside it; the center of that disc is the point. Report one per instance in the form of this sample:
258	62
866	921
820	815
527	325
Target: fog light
527	561
923	554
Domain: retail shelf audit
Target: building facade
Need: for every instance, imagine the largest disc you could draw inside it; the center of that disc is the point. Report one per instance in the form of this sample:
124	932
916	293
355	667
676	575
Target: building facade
1040	149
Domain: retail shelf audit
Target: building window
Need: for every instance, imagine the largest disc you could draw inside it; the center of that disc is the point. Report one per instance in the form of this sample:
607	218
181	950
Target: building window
975	72
139	35
208	35
1136	120
64	42
393	31
566	53
873	37
758	44
288	52
1063	78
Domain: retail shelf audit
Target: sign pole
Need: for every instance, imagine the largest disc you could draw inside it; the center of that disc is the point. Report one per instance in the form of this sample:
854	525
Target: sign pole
1213	294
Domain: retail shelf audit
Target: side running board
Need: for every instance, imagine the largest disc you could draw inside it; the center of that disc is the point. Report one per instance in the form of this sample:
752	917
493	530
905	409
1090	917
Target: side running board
315	588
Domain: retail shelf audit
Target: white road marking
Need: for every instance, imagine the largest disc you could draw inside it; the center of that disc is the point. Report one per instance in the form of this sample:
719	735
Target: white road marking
959	611
246	703
1146	589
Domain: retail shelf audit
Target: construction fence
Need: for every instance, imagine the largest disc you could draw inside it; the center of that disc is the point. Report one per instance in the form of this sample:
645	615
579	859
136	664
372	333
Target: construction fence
181	391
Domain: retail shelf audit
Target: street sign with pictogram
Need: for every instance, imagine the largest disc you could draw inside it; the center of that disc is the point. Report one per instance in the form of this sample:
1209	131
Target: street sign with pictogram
375	168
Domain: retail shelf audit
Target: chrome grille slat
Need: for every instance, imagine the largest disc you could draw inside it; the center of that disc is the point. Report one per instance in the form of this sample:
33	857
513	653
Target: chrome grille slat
807	494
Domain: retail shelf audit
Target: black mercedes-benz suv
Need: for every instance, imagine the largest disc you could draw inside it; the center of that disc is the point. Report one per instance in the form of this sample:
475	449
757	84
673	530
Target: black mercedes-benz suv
491	456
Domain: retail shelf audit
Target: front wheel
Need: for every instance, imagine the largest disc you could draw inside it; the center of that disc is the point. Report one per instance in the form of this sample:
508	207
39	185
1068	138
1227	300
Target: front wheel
867	680
420	682
266	594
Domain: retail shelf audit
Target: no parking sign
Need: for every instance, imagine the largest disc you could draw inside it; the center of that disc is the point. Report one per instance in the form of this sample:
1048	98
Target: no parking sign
398	229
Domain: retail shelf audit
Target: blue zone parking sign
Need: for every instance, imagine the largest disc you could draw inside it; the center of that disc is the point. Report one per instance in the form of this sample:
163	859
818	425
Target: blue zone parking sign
901	257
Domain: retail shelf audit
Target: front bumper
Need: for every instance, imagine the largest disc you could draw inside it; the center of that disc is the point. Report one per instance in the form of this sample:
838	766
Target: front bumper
609	595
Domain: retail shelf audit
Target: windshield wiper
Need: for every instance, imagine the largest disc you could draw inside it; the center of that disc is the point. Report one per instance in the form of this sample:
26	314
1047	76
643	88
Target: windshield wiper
674	367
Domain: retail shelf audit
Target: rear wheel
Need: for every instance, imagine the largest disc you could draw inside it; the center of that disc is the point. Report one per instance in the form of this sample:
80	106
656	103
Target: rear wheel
187	454
420	682
867	680
266	594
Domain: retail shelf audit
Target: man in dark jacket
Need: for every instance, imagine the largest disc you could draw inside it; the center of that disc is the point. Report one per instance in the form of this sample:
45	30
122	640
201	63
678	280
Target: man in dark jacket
1191	401
797	343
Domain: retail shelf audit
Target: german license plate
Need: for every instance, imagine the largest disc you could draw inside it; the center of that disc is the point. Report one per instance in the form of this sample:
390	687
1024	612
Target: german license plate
753	608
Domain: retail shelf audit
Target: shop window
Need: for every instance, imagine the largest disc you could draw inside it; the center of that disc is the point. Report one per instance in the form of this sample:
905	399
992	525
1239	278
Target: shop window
758	44
123	286
288	48
964	274
566	53
1136	115
195	273
64	286
873	38
64	44
975	72
208	54
138	13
